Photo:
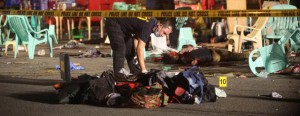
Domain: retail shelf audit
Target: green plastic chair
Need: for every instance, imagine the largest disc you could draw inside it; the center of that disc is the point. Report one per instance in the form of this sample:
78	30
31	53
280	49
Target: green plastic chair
185	38
20	26
5	38
52	34
35	22
295	41
271	58
286	35
276	26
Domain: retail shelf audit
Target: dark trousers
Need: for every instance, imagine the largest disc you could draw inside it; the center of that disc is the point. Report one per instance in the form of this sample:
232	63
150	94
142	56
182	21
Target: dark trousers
122	46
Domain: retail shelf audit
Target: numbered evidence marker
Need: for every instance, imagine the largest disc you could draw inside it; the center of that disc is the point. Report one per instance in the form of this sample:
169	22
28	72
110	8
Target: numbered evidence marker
222	81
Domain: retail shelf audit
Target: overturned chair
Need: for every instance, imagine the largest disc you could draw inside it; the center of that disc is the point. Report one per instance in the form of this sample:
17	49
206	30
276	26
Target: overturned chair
270	58
295	41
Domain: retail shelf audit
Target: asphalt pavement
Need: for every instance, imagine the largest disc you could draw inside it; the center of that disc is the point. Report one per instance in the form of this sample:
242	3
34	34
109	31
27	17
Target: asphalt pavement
26	88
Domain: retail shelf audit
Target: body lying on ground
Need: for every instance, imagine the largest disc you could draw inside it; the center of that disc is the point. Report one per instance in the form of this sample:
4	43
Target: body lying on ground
201	55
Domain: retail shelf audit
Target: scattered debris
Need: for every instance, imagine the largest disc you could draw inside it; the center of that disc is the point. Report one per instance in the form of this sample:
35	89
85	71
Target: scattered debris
105	55
21	48
276	95
272	95
220	92
41	52
91	53
293	53
70	45
229	75
242	76
2	49
51	71
97	47
7	62
16	62
21	62
263	74
72	67
76	64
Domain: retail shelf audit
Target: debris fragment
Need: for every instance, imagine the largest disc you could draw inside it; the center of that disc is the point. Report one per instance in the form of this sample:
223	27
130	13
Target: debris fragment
220	92
21	62
72	67
7	62
276	95
41	52
242	76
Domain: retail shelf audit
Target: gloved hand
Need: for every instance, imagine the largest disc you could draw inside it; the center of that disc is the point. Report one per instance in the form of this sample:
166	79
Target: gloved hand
145	71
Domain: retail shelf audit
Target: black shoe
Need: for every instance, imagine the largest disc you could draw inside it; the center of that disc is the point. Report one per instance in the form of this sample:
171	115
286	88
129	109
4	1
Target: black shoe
120	77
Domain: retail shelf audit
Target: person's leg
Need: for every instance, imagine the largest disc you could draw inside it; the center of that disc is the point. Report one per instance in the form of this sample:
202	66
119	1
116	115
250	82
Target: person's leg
232	56
130	54
117	42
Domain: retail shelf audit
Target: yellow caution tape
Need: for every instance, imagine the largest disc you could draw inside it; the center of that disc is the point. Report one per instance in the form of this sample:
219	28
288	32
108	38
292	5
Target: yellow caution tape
158	13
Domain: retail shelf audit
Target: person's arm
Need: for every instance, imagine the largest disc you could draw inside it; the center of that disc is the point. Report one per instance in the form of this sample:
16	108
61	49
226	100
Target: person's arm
140	54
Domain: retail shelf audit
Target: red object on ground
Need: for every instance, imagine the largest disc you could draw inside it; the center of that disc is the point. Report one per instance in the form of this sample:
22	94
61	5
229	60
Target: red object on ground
130	84
179	91
57	86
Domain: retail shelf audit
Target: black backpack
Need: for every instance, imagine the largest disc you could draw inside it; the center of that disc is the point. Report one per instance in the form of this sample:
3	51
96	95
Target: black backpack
101	87
86	88
75	91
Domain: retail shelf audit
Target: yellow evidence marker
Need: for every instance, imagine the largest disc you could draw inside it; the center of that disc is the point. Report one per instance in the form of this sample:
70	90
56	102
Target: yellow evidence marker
222	81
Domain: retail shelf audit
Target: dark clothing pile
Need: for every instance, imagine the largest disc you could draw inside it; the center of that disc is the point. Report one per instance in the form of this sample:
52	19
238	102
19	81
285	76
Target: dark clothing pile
151	90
